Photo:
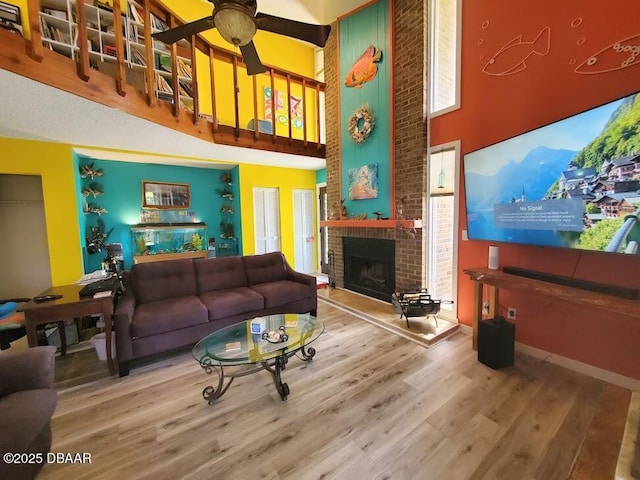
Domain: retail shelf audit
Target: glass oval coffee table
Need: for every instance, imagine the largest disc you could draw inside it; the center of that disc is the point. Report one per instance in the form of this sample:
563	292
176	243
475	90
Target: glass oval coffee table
236	345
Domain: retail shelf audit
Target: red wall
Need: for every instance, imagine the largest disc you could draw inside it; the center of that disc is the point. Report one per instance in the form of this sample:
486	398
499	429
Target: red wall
494	108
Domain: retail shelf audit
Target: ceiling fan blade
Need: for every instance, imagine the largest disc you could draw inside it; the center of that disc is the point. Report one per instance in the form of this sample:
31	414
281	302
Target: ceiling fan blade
316	34
251	59
184	31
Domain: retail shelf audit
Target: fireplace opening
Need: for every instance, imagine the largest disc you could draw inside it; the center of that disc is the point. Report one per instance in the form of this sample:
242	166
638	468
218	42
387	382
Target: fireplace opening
369	266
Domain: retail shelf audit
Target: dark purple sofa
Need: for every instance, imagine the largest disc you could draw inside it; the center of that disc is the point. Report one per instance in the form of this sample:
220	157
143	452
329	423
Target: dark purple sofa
173	304
27	403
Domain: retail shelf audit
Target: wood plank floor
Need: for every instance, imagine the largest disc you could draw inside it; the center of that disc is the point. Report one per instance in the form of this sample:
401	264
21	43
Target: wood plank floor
371	405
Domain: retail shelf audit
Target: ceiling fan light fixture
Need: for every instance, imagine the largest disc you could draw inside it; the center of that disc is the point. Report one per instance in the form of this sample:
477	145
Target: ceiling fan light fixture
235	25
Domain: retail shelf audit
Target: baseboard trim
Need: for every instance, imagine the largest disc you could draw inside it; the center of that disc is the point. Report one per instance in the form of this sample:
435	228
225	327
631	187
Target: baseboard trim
580	367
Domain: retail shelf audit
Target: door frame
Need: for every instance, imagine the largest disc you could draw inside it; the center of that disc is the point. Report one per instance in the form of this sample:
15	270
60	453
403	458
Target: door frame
435	149
319	228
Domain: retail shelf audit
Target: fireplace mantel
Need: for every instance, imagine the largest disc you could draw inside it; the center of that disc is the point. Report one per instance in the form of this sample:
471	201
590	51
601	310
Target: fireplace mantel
372	223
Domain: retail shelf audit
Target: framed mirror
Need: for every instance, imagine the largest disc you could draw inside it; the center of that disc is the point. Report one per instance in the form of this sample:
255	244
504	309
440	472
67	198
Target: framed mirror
165	195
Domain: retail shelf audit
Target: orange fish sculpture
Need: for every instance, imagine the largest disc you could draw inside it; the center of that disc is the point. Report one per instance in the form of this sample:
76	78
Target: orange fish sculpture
364	69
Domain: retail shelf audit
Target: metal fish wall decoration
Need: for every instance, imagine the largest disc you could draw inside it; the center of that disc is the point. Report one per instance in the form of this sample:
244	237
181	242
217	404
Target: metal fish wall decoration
512	57
621	54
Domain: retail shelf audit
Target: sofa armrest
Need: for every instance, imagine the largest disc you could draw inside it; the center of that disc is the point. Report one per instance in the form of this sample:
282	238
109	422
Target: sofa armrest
27	369
126	305
299	277
122	325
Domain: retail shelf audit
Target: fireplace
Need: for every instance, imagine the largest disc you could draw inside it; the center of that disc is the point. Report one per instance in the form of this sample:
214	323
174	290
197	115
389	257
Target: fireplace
369	266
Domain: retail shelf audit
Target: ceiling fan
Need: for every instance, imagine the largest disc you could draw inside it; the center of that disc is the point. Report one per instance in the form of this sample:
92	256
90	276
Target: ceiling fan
237	22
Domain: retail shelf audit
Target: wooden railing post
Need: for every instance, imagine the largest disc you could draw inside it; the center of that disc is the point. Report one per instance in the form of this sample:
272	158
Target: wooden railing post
273	105
304	111
121	78
174	73
83	57
288	102
35	49
149	56
236	95
214	113
194	83
318	115
256	125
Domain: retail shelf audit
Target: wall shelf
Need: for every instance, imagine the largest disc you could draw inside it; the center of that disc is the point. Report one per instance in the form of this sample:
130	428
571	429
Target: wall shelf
346	223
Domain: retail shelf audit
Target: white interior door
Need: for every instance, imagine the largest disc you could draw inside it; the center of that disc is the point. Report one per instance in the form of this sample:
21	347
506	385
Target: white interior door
266	214
304	237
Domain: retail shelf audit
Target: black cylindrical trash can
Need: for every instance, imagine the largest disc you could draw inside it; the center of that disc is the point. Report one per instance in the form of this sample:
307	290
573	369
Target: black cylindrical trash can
496	341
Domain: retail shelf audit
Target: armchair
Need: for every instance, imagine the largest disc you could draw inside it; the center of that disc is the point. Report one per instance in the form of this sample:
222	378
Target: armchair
27	403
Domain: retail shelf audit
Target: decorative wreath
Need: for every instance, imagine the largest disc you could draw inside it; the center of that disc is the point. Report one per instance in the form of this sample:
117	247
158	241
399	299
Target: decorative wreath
358	130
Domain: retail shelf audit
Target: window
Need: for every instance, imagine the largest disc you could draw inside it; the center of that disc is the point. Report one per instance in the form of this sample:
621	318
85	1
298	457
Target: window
444	40
442	207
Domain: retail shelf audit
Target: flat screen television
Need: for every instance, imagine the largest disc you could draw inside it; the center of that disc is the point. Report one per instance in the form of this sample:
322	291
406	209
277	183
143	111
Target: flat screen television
574	183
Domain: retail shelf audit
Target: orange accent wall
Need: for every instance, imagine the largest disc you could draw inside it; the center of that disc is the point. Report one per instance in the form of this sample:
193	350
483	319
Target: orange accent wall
494	108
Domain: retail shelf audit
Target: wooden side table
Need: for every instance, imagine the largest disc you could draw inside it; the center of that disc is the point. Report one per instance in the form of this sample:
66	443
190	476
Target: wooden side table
69	306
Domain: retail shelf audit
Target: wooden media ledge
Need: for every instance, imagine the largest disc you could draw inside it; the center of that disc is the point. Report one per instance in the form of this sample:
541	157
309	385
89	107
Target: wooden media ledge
497	279
371	223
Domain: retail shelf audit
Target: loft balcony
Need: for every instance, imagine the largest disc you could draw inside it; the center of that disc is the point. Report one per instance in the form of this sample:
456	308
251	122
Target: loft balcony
193	87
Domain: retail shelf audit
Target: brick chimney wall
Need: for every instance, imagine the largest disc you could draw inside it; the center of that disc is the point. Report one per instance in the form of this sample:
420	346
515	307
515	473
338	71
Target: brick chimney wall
409	74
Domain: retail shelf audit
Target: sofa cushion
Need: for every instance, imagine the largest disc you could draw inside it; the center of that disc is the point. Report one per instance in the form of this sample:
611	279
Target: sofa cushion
233	301
268	267
155	281
219	273
281	292
25	415
167	315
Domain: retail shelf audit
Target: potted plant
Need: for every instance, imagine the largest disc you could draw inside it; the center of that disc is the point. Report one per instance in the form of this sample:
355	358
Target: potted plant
97	237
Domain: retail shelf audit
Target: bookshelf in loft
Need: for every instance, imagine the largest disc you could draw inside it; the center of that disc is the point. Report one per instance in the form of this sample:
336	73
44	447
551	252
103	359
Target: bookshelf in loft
166	80
60	32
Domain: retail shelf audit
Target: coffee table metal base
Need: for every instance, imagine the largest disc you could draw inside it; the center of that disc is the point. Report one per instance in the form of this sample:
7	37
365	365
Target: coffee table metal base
273	366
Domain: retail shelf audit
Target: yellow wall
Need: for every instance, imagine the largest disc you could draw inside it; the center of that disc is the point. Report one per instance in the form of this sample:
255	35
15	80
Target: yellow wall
22	4
286	180
53	162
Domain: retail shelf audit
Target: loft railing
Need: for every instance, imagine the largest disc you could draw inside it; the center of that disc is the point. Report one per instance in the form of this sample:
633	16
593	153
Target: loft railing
187	86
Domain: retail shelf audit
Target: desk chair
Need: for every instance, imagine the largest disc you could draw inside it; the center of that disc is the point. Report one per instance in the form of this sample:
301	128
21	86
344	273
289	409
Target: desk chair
10	331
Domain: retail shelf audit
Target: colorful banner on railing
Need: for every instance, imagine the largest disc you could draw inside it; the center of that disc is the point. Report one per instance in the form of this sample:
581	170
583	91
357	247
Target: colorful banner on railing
297	120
